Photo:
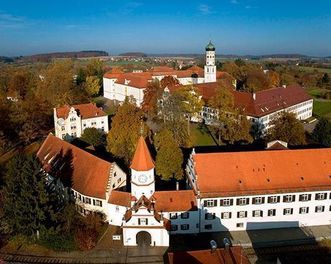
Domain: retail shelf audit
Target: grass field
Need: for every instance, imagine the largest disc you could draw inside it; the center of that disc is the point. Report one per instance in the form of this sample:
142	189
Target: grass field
322	108
304	68
201	135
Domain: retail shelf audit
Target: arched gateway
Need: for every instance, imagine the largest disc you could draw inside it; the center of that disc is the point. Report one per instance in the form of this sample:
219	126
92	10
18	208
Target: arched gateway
143	238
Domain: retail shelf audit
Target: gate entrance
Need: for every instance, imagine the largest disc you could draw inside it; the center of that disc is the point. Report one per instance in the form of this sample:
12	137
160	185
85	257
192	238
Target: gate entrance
144	239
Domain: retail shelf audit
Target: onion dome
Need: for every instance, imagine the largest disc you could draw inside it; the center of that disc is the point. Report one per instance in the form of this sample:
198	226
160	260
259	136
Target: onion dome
210	47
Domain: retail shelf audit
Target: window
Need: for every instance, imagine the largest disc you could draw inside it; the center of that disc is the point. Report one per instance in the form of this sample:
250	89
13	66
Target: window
242	201
97	203
173	215
208	227
288	211
303	210
273	199
117	208
209	216
226	215
174	227
319	209
87	200
242	214
63	136
72	119
185	215
240	225
79	197
272	212
304	197
93	123
185	227
257	213
119	180
258	200
63	128
320	196
84	125
288	198
142	221
226	202
102	122
210	203
73	127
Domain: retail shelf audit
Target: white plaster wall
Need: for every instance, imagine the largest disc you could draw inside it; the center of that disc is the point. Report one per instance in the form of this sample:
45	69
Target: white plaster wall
159	236
100	122
192	221
115	214
278	221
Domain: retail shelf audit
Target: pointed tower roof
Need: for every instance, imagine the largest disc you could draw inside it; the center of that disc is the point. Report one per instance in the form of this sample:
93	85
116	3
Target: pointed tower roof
142	160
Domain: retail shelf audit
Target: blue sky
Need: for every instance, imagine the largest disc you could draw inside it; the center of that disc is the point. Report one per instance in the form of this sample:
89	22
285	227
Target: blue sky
235	26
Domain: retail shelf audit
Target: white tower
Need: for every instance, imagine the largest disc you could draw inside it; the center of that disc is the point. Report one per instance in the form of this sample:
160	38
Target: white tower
210	67
142	171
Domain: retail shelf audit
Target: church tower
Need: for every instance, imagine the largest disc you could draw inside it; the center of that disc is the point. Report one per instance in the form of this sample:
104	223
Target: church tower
142	171
210	67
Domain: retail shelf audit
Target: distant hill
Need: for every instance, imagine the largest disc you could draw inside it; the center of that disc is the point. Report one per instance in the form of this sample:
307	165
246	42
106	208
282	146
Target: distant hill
71	54
133	54
6	59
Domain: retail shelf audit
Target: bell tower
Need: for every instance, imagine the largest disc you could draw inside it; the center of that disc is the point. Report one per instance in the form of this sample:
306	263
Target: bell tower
142	171
210	67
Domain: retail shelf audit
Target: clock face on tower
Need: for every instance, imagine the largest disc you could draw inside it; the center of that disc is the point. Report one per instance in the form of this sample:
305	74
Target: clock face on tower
142	178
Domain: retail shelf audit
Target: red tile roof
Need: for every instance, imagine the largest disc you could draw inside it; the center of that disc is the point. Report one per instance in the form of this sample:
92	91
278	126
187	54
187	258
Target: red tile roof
259	172
266	101
233	255
142	160
84	110
141	79
175	201
120	198
89	174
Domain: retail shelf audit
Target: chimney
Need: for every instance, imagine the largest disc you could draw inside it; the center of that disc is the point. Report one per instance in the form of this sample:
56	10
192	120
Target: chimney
213	245
177	185
284	85
254	96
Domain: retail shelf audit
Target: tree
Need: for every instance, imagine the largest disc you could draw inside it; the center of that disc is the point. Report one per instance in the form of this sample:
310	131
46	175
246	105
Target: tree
234	129
56	84
256	81
322	132
169	158
287	128
93	136
125	131
274	78
25	195
152	94
92	85
32	118
190	103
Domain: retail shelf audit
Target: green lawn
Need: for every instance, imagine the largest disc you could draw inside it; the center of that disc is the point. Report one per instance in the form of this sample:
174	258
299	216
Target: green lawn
201	135
322	108
304	68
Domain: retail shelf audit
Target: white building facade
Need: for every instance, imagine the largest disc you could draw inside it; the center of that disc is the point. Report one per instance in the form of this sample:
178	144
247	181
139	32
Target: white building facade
230	191
118	86
70	121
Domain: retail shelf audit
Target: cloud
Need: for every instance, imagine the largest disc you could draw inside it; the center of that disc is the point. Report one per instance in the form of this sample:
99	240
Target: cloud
205	9
235	2
10	21
130	7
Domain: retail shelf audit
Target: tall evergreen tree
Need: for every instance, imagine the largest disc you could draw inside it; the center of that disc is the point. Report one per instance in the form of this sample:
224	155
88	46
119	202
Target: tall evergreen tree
322	132
25	197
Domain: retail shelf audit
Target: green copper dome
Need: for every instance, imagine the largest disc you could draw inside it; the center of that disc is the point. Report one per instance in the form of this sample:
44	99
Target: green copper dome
210	47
